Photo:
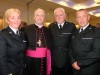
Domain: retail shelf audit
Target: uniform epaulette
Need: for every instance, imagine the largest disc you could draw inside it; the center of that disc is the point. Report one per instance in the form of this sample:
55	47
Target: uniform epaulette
70	22
4	29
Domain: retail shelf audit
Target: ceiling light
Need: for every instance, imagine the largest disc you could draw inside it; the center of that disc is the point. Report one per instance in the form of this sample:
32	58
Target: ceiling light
98	14
97	1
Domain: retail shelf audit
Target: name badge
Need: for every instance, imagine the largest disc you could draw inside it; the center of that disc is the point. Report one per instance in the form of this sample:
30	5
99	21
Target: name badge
66	33
87	38
24	41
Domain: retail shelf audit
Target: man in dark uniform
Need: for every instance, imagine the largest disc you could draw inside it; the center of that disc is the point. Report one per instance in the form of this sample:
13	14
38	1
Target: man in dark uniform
39	45
61	32
85	53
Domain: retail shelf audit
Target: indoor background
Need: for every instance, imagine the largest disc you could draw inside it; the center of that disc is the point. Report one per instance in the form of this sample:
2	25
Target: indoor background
27	8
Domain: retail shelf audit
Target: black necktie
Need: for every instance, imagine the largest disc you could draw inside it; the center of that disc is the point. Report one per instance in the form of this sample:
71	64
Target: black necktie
81	30
17	33
60	26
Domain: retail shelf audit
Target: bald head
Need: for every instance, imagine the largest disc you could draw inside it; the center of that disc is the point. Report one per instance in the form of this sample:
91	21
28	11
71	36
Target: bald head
39	10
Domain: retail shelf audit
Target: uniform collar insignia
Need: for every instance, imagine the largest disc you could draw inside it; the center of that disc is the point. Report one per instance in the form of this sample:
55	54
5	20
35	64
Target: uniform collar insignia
90	28
10	32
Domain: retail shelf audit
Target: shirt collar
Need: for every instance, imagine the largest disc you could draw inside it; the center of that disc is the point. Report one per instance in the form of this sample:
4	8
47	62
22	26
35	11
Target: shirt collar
39	26
14	30
85	26
61	24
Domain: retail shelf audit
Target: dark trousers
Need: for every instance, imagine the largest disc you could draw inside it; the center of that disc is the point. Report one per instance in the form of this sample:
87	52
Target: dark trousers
61	71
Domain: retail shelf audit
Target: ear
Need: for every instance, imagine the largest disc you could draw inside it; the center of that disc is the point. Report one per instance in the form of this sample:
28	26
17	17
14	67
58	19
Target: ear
33	17
7	21
88	17
65	16
76	20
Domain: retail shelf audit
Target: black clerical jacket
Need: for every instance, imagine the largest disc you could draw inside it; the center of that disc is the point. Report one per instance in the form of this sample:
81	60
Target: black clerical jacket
30	32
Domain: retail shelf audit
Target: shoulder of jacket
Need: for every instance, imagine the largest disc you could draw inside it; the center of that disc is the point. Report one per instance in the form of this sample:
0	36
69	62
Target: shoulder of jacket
92	27
28	26
45	26
97	29
3	29
52	24
70	23
3	32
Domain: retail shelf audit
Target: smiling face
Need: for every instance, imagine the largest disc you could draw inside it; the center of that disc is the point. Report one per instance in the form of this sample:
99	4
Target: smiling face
39	16
82	18
59	15
13	18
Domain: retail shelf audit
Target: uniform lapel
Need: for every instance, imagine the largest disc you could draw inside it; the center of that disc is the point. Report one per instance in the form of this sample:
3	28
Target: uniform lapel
65	25
56	26
86	30
12	34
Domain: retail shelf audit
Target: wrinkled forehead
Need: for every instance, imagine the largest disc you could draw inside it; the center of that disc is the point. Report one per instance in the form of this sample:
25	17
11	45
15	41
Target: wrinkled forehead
59	12
82	11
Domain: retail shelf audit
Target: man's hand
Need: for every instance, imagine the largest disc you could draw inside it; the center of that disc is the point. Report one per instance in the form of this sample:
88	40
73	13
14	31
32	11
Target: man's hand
75	66
10	74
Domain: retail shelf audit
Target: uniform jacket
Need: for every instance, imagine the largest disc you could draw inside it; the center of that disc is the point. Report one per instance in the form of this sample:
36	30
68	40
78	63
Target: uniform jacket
60	43
86	50
11	52
30	32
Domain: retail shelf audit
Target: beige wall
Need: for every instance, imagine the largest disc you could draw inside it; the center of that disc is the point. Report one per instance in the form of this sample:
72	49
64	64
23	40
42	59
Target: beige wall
5	4
95	21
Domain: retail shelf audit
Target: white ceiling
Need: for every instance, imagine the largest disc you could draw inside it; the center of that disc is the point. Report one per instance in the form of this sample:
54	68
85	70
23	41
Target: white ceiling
27	7
80	4
69	5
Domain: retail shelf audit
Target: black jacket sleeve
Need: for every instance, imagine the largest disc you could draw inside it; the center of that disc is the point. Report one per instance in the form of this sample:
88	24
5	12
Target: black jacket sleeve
3	54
